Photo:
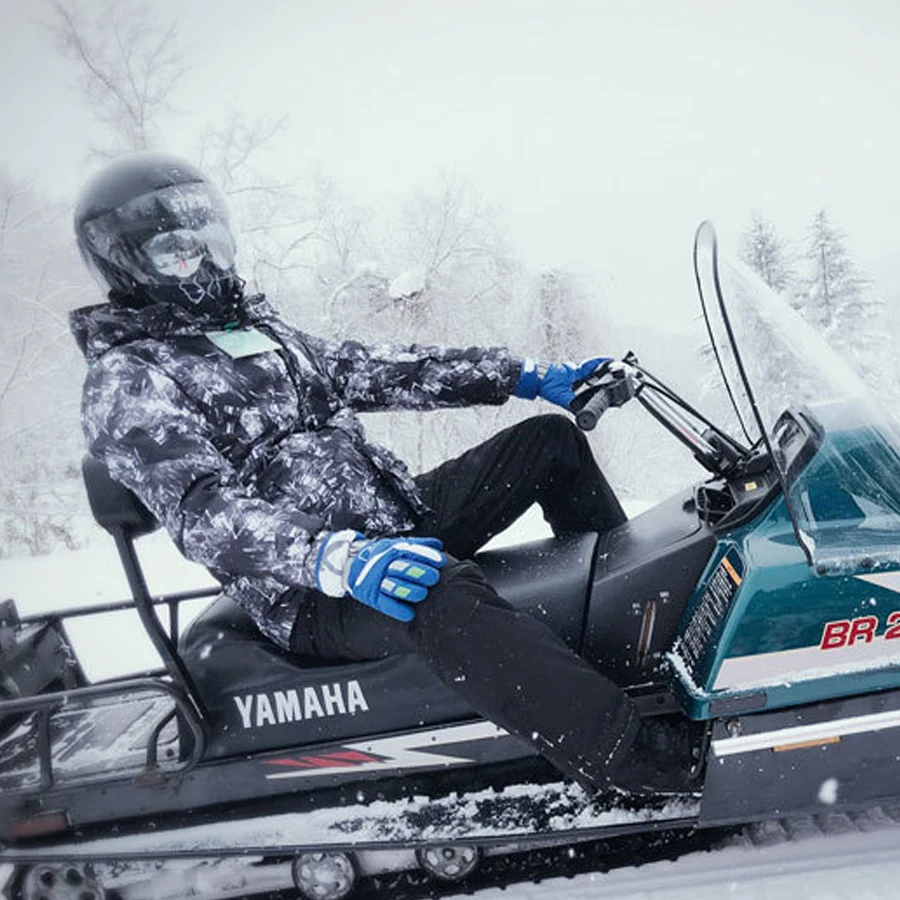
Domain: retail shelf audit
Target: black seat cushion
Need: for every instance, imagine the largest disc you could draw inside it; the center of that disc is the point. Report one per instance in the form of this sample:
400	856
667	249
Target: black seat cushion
260	696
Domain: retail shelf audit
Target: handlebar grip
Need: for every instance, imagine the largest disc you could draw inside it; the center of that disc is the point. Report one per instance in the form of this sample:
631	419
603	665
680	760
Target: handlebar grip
587	417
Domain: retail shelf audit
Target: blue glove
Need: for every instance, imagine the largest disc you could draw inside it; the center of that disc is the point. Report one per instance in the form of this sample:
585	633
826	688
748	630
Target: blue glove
388	574
556	382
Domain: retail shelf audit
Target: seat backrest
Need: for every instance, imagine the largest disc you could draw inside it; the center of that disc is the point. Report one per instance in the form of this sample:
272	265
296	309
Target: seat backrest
114	506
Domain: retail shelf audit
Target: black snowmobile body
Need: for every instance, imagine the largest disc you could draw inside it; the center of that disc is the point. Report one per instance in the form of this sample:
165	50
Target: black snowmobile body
255	721
720	608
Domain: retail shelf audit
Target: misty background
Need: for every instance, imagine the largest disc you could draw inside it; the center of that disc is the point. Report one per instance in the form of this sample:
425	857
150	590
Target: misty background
520	173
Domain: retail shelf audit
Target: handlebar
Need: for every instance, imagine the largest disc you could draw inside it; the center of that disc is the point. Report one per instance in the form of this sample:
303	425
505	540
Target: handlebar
618	382
589	415
615	386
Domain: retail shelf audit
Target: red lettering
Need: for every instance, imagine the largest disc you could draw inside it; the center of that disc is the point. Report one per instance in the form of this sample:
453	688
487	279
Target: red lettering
893	632
835	634
863	628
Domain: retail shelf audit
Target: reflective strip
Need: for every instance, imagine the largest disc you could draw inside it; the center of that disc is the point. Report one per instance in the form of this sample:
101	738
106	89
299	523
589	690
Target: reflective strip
820	733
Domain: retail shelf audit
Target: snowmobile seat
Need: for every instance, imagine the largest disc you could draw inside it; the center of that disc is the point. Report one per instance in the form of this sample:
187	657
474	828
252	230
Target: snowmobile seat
256	696
259	696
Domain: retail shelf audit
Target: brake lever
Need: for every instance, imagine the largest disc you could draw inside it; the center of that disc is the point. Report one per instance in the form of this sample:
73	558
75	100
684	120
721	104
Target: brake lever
619	378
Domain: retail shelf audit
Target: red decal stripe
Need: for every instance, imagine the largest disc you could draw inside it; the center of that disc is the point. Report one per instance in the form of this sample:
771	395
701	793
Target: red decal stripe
340	759
291	763
354	756
324	762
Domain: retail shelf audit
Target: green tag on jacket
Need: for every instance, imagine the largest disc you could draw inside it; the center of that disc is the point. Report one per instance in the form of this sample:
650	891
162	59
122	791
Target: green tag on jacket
243	342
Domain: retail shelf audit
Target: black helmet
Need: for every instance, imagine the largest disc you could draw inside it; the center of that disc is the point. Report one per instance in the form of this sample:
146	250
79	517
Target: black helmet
154	229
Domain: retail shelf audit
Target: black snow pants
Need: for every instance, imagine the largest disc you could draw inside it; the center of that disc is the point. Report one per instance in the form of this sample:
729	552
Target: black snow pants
511	668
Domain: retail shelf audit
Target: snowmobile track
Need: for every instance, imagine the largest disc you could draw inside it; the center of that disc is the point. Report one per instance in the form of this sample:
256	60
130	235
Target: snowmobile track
772	848
776	847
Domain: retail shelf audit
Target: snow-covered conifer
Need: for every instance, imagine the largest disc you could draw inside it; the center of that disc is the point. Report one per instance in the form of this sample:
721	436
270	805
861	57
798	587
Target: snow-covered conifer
839	301
762	248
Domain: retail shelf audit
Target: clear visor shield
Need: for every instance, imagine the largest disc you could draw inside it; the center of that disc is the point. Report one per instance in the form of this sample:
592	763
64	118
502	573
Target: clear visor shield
166	233
179	253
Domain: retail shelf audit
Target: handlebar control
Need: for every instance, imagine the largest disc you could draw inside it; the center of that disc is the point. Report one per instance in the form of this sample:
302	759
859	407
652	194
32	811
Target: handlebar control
589	415
617	384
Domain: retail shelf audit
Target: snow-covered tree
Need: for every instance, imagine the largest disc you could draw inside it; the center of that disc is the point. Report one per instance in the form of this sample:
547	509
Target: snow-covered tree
762	248
346	274
839	301
471	285
557	320
567	318
834	288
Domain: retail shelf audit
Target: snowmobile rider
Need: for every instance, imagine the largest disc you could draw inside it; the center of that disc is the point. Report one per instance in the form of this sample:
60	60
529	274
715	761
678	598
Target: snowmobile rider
240	434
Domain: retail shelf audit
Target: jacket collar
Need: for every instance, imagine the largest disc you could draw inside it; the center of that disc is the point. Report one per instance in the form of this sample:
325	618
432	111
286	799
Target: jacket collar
103	326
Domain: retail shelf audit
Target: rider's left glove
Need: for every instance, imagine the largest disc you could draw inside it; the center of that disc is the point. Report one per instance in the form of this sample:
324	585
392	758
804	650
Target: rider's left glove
556	382
389	574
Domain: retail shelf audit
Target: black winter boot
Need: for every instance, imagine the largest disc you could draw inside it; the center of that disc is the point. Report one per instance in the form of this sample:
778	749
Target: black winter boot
660	762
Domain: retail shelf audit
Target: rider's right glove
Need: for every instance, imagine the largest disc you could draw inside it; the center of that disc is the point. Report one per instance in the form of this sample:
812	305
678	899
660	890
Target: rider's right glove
555	382
388	574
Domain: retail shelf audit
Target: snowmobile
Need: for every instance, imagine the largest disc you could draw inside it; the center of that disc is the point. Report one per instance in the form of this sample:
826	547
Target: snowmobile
756	611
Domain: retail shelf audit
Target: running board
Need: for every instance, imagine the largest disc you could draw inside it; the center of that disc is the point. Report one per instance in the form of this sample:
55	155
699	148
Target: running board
518	814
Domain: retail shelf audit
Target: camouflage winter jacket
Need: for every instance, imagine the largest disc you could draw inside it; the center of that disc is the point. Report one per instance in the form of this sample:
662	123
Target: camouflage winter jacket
249	460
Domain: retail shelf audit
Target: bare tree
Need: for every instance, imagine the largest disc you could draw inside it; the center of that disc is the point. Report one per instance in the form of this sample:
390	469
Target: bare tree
344	232
274	225
228	152
129	66
442	273
39	430
567	317
471	274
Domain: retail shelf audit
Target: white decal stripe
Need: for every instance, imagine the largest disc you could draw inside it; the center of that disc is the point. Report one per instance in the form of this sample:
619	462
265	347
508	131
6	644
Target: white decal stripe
887	580
804	664
408	751
800	734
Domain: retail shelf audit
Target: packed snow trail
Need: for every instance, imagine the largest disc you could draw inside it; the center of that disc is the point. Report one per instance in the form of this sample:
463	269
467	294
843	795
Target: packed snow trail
835	857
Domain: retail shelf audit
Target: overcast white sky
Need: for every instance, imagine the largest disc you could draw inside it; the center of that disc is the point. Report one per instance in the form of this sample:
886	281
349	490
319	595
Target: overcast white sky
604	129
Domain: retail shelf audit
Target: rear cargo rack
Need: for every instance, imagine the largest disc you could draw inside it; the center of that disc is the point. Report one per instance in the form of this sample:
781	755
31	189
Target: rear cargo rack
42	707
157	698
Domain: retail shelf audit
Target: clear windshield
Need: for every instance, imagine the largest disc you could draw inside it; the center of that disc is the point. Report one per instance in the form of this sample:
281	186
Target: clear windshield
846	502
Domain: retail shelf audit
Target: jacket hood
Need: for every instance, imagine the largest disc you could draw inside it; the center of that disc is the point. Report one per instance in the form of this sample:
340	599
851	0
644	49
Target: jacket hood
103	326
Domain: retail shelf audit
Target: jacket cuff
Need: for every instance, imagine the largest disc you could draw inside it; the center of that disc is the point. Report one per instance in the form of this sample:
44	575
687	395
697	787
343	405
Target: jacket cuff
332	550
529	380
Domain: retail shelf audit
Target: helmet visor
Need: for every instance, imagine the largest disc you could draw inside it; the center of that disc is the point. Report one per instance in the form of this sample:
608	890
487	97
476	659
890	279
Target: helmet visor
179	253
164	234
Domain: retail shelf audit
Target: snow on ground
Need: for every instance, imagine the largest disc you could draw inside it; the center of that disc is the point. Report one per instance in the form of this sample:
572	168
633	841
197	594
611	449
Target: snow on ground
861	866
114	643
